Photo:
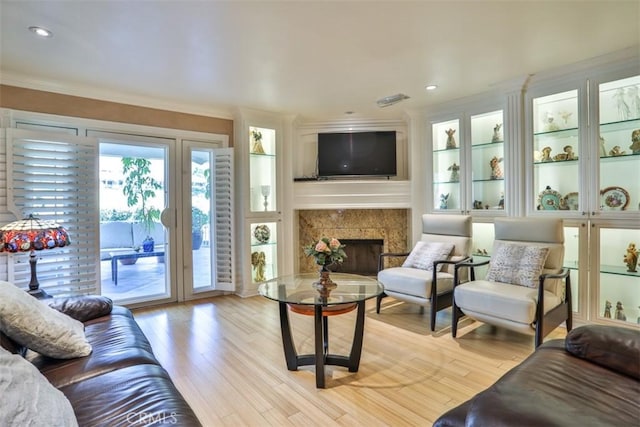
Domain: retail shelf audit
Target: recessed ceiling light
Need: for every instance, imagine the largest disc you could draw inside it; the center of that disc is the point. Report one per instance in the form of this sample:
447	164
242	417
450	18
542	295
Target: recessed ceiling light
431	87
42	32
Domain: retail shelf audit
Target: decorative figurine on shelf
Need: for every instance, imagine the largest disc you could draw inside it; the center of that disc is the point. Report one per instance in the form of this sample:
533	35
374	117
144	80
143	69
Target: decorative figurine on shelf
497	135
549	125
496	170
564	204
451	141
632	93
259	262
607	309
635	142
501	201
546	155
477	204
455	176
567	155
620	312
262	233
256	142
444	201
615	151
603	149
631	258
565	115
623	109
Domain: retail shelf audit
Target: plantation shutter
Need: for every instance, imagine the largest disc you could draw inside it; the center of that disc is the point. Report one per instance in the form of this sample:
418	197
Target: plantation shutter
55	177
223	189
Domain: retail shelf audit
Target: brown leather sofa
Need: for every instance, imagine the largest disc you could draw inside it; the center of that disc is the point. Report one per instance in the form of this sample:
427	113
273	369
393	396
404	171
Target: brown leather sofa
120	383
590	379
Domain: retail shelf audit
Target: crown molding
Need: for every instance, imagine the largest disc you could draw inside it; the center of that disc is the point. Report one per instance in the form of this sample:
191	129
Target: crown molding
28	82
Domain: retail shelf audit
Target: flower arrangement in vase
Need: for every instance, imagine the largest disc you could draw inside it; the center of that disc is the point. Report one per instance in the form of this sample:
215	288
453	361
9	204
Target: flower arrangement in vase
326	251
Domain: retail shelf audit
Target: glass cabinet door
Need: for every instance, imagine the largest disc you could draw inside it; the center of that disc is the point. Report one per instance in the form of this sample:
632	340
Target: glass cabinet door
487	156
618	284
556	173
619	145
262	170
446	165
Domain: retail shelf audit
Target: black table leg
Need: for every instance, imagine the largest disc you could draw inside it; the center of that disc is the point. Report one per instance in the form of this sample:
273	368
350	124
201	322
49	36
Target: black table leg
290	354
320	344
356	347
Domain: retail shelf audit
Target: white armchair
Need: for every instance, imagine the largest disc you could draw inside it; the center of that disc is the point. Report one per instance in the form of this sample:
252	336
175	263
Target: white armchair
426	276
526	289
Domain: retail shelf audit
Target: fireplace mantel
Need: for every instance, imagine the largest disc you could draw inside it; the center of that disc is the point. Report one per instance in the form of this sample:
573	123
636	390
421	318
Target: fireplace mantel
352	194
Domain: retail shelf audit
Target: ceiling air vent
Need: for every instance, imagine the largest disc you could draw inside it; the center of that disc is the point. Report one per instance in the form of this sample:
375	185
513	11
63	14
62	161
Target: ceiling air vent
390	100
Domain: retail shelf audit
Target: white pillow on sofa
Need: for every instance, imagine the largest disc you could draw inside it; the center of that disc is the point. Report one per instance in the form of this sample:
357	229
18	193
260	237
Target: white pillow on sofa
35	325
424	254
28	399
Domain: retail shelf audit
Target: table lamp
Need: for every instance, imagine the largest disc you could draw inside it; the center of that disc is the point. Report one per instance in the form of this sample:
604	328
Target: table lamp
29	235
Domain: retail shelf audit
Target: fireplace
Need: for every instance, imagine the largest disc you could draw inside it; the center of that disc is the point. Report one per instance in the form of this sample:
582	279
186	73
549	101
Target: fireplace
362	256
356	228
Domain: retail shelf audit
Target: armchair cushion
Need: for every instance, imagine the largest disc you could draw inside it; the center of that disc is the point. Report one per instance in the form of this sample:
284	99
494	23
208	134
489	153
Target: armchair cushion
424	254
502	300
517	264
414	281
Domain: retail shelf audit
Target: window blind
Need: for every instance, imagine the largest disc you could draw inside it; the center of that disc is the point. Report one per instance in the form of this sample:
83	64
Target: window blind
55	177
223	188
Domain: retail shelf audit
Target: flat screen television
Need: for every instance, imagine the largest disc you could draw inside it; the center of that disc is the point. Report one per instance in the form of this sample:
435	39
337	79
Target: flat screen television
357	154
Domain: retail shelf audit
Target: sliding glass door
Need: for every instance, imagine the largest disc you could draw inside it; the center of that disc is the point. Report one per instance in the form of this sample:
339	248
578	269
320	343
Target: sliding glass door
135	256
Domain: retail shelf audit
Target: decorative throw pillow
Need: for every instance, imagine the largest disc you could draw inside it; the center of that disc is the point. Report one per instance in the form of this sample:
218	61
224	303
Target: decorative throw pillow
517	264
33	324
28	399
424	254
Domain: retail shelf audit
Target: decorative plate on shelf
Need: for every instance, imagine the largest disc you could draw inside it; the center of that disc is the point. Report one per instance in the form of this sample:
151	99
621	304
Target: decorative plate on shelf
614	198
571	200
262	233
549	200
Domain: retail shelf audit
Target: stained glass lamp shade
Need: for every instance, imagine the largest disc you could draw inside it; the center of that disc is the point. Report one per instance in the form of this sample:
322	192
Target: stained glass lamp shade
29	235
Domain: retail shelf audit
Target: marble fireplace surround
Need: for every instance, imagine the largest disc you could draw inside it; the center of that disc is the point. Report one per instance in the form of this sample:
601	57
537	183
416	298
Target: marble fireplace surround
389	225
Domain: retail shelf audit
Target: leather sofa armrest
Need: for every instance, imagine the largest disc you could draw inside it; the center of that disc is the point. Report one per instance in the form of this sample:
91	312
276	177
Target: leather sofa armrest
82	308
613	347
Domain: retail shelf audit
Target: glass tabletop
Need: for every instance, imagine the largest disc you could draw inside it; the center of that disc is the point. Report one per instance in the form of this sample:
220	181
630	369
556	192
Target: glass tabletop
299	289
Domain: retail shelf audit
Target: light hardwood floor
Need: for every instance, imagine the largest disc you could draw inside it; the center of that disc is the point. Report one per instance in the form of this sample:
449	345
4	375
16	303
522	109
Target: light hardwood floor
225	356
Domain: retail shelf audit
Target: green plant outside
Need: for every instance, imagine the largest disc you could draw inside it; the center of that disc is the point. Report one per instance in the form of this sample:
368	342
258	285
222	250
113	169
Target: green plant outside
139	187
114	215
198	219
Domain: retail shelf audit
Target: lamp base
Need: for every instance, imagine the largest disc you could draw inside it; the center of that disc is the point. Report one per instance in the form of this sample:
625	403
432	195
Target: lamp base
39	294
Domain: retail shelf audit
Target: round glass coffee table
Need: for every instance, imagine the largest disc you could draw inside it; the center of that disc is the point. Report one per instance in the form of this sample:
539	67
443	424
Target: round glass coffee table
298	294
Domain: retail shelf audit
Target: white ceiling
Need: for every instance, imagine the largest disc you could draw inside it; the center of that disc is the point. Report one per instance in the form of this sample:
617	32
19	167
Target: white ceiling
314	59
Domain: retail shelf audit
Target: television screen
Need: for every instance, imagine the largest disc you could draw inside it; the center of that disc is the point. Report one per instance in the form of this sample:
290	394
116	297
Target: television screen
357	154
